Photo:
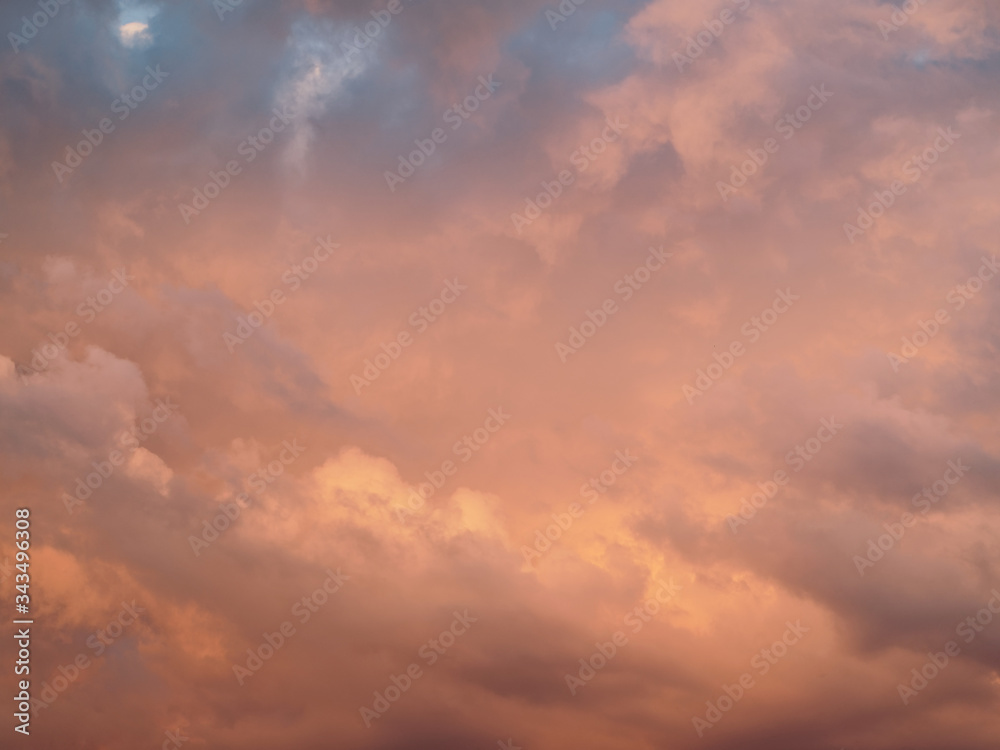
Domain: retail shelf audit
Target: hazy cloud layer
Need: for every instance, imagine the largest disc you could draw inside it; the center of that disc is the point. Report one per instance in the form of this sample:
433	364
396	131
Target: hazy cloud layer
650	258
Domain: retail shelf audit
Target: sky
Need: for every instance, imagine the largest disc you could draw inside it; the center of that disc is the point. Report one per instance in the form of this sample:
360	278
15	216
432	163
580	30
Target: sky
611	374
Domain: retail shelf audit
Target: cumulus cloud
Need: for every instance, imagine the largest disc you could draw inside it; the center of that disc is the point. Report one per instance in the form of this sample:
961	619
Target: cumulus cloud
224	488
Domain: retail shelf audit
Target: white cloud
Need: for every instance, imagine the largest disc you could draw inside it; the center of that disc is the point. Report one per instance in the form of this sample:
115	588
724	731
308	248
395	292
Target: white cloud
322	61
135	34
133	23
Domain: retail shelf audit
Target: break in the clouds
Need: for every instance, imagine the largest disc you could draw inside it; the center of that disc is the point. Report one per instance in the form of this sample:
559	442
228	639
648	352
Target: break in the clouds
652	404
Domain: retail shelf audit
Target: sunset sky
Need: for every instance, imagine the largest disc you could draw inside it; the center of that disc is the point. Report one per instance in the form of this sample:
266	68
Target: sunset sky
478	374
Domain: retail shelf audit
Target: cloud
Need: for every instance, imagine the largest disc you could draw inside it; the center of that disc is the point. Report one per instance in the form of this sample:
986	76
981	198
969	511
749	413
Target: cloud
368	84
